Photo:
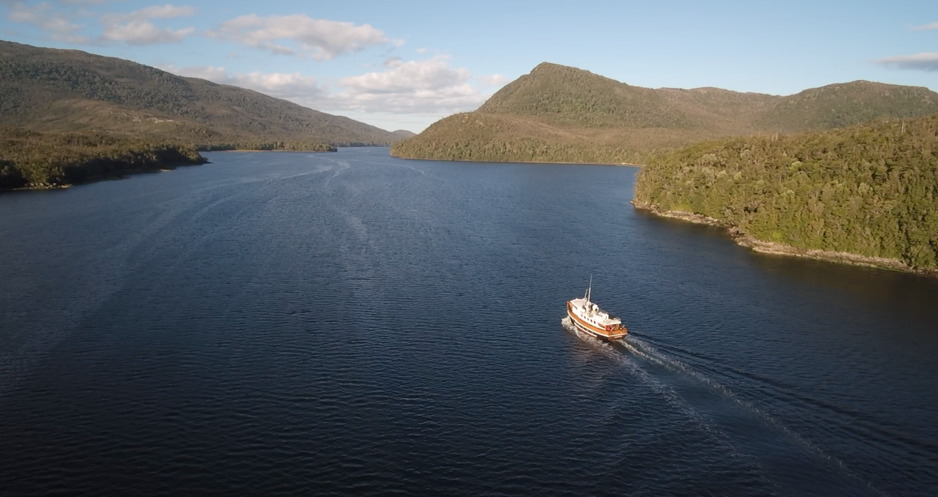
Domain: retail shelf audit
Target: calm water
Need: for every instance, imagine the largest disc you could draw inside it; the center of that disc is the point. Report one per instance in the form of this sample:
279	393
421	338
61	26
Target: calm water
351	323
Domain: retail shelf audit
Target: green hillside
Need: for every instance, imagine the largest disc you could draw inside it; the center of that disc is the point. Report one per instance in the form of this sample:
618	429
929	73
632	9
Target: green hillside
869	189
50	90
476	136
571	97
840	105
563	114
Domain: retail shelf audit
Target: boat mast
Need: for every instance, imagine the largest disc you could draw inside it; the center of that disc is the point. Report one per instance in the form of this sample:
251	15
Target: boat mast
589	290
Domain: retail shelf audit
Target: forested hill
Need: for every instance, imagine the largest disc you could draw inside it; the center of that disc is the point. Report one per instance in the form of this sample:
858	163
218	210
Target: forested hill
870	189
51	90
563	114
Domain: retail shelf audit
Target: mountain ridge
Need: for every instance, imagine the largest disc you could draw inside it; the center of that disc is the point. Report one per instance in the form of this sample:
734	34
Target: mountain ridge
613	122
55	90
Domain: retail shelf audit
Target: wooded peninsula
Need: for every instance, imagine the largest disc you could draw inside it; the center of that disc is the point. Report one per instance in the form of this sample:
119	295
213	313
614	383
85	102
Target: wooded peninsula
32	160
869	190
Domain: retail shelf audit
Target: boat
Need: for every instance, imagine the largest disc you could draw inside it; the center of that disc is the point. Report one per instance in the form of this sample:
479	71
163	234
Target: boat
589	318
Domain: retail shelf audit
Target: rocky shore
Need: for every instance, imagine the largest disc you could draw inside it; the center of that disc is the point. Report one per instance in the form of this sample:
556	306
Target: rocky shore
772	248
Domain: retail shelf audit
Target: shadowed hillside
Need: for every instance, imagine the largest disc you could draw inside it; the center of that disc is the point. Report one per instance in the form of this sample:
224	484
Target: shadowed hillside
54	90
32	160
563	114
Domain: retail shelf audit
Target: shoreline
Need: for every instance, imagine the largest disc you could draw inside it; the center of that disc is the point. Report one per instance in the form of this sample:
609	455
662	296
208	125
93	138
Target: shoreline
784	250
524	162
245	150
115	176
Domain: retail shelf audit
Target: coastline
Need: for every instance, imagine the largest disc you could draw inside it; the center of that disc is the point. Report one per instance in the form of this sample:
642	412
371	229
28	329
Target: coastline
113	176
523	162
781	249
245	150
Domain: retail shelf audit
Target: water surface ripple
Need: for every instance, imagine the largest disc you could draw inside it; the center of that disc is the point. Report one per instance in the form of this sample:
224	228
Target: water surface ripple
350	323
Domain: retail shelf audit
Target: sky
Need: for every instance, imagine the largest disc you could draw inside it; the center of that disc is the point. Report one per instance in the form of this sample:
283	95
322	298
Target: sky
406	64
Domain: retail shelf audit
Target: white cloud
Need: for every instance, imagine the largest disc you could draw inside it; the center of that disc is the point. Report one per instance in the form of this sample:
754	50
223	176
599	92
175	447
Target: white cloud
926	61
134	28
43	17
84	2
281	85
318	39
493	80
153	12
429	87
927	27
411	75
143	33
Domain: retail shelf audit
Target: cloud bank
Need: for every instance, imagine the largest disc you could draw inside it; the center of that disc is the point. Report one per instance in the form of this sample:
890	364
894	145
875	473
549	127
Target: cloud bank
43	17
925	61
133	28
281	85
318	39
927	27
427	86
405	87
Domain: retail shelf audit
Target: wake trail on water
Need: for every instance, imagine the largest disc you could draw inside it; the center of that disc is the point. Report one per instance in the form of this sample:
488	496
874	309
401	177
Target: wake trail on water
671	396
343	166
649	353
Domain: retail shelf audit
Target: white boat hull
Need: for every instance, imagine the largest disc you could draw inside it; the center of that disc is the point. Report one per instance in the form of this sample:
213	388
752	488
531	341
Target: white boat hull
583	325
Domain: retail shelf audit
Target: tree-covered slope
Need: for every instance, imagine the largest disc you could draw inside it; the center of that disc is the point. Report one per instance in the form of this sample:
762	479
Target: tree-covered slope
29	159
572	97
476	136
46	89
846	104
560	113
869	189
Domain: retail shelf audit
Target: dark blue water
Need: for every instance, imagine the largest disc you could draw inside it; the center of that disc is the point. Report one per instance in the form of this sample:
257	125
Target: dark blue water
350	323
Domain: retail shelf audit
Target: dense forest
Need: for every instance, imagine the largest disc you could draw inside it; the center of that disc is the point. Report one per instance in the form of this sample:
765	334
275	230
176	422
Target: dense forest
481	137
47	160
51	90
563	114
870	189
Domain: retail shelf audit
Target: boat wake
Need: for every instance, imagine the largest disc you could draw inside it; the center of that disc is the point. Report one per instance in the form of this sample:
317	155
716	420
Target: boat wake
645	351
342	167
670	395
636	355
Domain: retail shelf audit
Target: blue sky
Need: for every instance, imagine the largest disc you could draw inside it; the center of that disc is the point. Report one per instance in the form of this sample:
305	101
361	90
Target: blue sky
405	64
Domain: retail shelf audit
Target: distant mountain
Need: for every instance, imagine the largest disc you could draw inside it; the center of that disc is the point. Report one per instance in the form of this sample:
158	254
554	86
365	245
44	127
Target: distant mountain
402	134
563	114
847	104
51	90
